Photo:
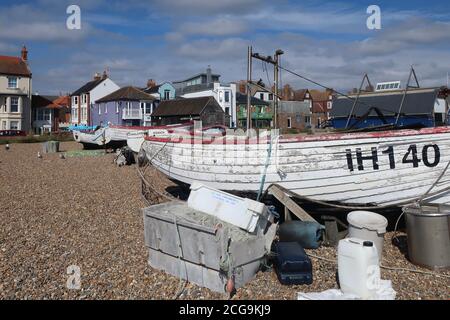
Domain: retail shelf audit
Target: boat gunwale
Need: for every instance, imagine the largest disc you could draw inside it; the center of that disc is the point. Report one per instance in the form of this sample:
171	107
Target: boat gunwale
192	139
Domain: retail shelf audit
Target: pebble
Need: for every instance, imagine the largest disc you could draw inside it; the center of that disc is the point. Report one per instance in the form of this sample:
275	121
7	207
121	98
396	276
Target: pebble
84	211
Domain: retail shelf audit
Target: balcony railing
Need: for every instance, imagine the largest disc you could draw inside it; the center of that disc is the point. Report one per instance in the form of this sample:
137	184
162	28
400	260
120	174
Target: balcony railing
131	114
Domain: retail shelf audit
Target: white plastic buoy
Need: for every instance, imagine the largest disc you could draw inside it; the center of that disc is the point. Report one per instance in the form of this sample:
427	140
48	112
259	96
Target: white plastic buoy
358	267
7	146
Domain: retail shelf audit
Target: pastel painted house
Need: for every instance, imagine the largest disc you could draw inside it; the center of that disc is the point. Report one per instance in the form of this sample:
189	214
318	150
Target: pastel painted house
128	106
84	98
161	92
15	92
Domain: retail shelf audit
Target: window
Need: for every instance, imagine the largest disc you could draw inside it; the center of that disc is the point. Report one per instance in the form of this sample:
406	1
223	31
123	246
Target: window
227	96
4	123
84	98
14	104
75	100
298	118
270	96
166	94
106	108
261	96
289	125
99	109
44	115
148	108
307	119
220	96
227	110
12	82
14	125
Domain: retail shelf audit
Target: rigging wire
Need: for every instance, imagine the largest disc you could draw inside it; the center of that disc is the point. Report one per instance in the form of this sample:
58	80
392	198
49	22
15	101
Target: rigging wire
328	88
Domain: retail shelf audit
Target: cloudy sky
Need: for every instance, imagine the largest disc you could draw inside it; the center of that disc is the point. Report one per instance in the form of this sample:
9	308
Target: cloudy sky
171	39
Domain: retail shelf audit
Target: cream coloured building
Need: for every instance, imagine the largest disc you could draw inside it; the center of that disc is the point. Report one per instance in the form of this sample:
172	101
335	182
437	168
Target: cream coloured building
15	92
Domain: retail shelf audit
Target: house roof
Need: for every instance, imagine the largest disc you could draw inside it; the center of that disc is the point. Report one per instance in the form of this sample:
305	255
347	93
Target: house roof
419	101
49	102
126	94
87	87
213	75
184	106
318	95
153	89
299	95
242	99
14	66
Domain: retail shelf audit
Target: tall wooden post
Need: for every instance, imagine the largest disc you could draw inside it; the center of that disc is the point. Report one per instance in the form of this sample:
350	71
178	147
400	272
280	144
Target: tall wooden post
249	79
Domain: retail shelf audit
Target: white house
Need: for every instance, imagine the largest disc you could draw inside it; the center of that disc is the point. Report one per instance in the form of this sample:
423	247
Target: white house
84	98
225	94
264	95
208	84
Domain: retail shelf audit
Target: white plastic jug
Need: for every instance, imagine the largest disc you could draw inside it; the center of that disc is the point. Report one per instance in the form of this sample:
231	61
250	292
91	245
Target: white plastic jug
358	267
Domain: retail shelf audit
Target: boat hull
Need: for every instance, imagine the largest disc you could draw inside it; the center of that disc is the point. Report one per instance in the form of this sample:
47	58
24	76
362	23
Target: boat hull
380	168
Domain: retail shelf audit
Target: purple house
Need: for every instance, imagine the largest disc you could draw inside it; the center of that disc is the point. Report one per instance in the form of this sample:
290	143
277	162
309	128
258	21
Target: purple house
128	106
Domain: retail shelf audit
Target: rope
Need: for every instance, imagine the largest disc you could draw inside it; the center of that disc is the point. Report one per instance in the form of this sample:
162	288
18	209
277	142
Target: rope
388	268
341	206
180	256
435	183
263	176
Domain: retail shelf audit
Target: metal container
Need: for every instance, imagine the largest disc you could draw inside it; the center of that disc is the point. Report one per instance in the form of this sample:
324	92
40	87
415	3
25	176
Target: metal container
428	229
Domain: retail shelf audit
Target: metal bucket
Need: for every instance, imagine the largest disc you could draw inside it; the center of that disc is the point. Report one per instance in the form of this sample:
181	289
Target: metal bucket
428	230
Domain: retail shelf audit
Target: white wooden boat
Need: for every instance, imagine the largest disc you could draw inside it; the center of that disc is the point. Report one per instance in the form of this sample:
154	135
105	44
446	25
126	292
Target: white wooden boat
92	138
380	168
118	135
135	139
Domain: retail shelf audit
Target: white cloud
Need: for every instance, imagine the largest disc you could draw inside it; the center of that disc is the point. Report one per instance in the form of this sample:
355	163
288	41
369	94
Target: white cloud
218	27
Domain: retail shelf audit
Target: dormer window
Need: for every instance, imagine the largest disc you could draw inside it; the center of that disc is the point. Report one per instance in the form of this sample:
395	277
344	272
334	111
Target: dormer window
12	82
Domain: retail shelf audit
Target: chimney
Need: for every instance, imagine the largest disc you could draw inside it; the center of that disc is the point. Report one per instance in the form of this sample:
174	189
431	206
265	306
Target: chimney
208	75
151	83
97	76
242	87
105	75
24	53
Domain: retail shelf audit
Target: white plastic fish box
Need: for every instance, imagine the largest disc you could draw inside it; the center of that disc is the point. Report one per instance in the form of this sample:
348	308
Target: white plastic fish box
241	212
204	250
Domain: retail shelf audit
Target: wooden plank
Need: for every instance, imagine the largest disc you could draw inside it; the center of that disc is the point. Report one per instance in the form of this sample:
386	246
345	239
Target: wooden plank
290	204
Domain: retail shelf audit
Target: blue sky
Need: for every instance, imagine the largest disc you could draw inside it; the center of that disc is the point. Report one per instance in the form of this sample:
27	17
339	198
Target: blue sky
169	40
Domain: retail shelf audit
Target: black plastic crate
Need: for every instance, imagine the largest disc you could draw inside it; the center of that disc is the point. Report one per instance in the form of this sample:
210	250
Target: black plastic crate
292	265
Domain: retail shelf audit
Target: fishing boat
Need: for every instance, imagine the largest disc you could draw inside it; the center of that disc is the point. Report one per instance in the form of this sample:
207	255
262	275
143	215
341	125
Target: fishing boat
377	168
117	136
136	139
